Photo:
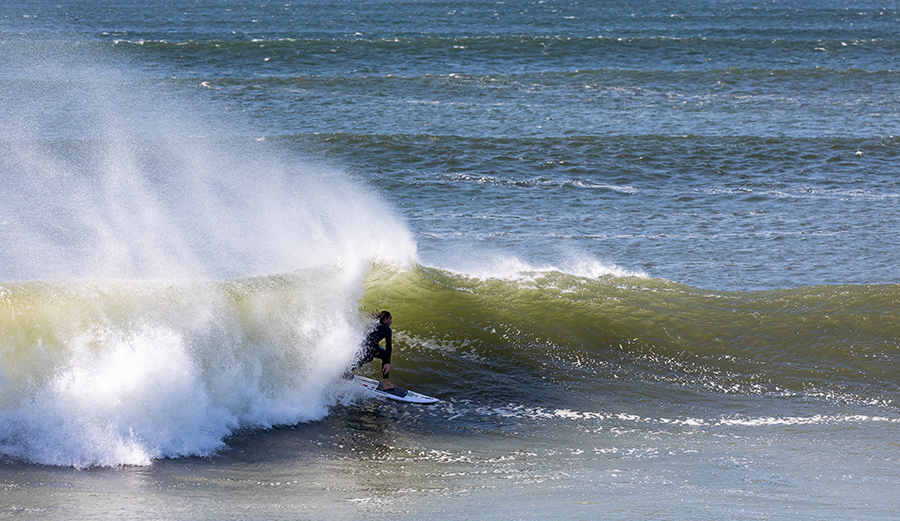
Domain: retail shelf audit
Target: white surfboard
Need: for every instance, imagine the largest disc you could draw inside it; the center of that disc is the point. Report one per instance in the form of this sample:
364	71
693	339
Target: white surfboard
397	393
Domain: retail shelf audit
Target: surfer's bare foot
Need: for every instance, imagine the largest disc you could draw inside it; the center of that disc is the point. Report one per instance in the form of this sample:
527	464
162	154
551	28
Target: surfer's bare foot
386	386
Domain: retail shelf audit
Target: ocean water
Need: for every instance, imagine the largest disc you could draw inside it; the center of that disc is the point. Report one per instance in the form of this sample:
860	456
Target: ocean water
645	253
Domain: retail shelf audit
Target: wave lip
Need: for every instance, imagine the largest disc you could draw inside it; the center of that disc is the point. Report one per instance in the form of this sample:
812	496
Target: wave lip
486	266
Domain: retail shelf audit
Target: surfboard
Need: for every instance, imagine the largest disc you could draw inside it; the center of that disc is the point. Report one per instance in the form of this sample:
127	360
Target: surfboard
397	393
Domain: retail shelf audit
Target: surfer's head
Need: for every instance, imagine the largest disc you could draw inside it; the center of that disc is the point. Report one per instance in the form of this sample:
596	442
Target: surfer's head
384	317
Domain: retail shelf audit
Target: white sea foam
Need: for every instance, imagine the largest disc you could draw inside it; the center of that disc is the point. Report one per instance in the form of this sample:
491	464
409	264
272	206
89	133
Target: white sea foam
611	419
125	372
488	265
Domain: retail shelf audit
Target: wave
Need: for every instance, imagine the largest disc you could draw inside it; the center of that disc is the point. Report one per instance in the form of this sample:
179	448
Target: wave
592	331
573	161
125	372
734	83
511	42
510	53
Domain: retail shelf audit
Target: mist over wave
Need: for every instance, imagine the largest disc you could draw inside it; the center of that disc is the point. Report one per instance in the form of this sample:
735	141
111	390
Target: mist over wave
107	176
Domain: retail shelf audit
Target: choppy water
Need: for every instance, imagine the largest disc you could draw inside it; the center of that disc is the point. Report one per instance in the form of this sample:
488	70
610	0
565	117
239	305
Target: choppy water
644	253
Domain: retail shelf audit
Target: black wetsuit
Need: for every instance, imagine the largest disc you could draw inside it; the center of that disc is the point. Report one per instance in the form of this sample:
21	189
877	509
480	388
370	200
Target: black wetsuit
372	349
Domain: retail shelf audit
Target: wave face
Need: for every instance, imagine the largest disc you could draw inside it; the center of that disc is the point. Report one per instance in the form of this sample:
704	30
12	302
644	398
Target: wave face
592	333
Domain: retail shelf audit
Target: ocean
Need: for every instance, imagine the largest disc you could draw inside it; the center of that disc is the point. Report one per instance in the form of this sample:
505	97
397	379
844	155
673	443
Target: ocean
644	253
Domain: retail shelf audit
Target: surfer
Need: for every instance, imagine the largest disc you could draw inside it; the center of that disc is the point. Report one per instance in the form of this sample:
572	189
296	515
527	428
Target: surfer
372	348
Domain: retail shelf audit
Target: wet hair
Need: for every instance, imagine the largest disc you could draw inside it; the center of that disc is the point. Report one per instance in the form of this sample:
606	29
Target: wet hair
382	316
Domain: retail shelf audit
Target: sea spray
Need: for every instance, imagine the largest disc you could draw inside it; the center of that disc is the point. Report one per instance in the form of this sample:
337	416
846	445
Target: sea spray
106	176
166	281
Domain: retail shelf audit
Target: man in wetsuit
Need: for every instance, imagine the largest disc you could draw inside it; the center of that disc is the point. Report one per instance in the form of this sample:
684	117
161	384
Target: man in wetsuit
372	348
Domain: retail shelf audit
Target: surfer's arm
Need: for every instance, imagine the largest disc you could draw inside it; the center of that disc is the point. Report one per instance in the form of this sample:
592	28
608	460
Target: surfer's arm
386	368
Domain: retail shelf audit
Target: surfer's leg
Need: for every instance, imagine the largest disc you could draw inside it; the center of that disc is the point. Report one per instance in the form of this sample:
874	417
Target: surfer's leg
364	358
385	384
